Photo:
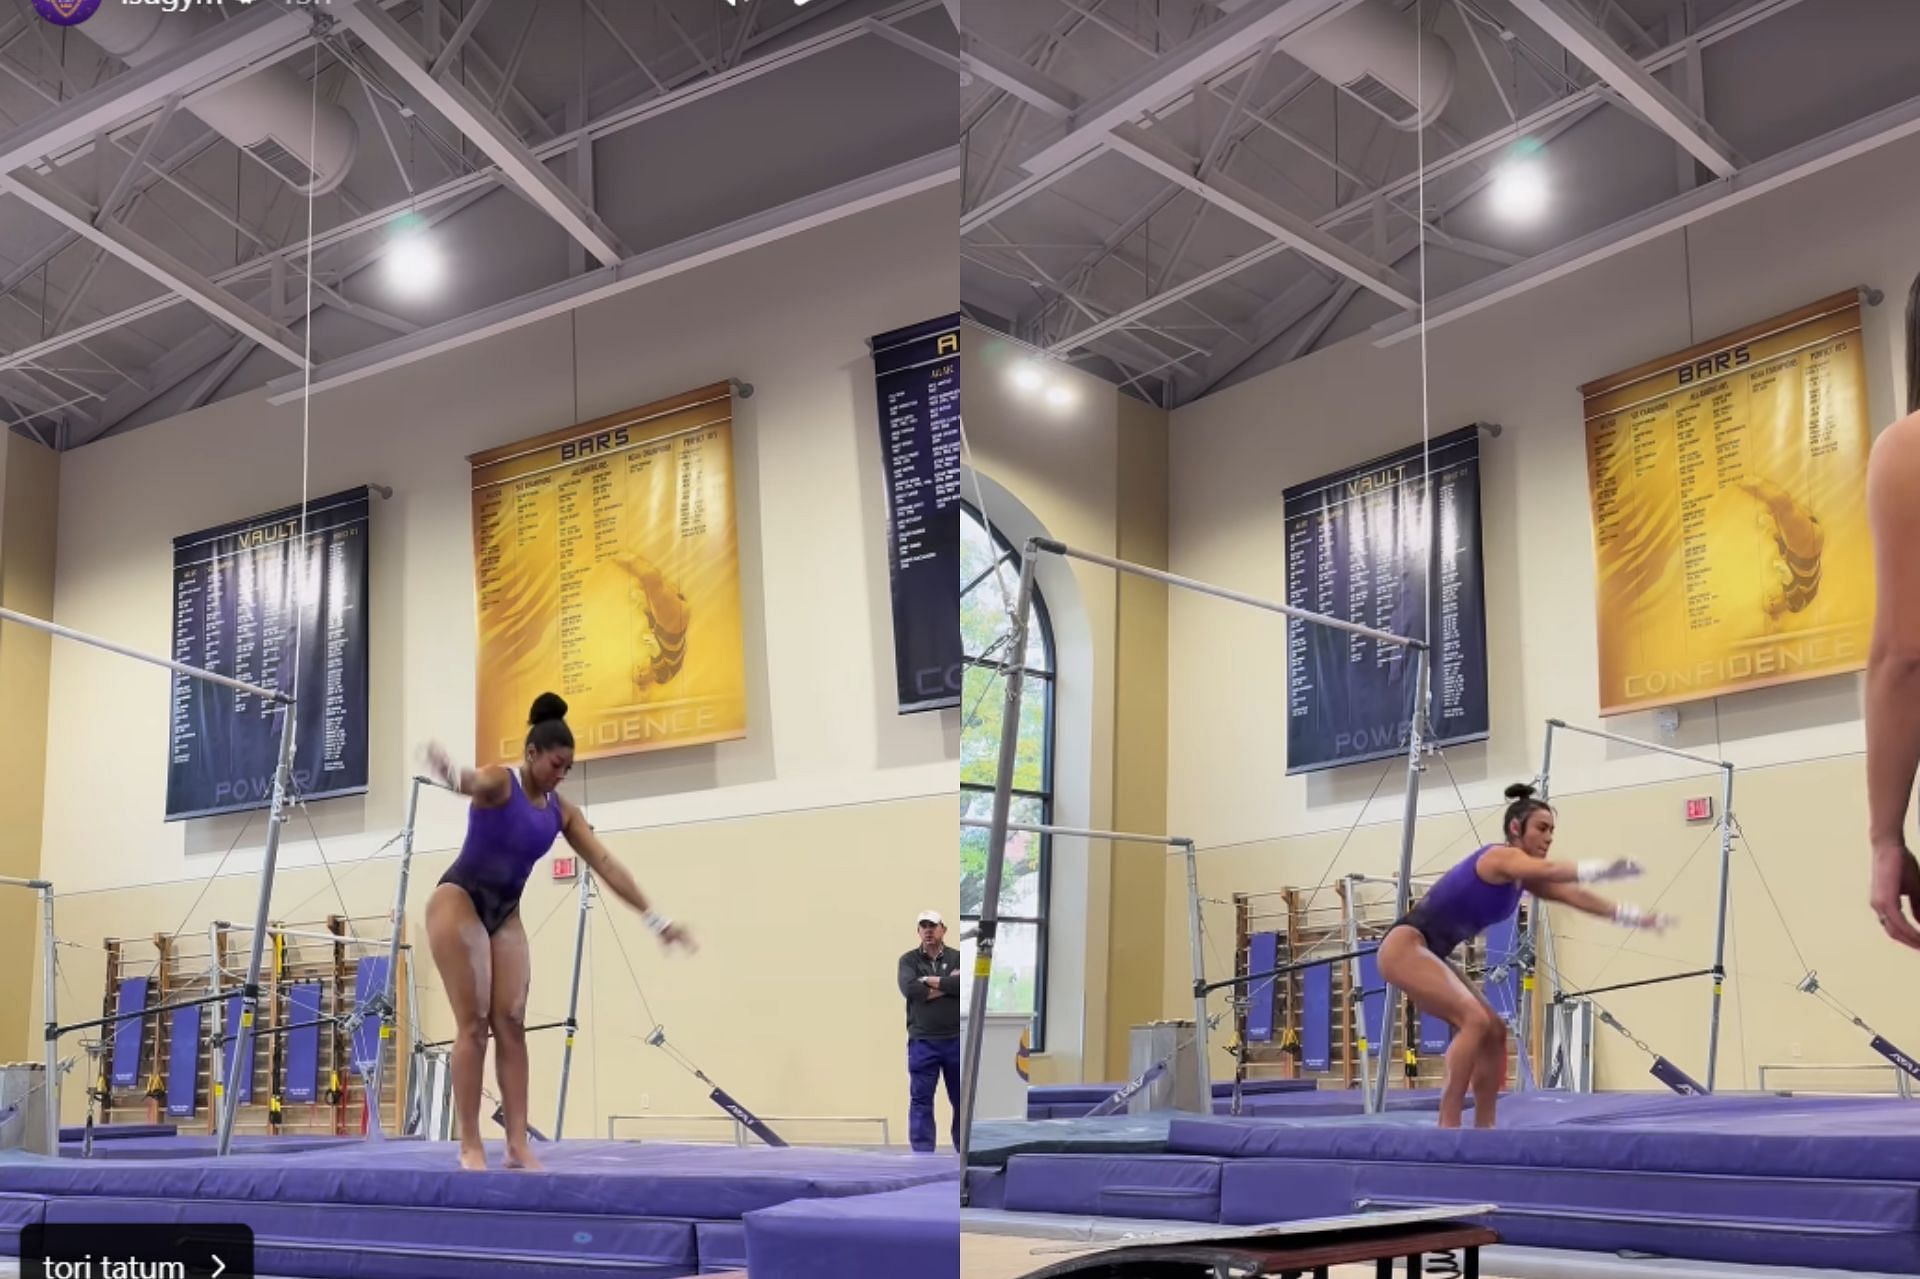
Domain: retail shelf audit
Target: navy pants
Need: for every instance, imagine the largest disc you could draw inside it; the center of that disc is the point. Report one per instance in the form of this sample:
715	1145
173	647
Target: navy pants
927	1060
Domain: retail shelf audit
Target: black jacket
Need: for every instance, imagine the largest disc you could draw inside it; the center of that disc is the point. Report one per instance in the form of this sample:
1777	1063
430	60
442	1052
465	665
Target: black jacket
929	1018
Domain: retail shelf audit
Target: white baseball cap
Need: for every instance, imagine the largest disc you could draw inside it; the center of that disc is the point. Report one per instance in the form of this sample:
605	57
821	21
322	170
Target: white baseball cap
929	917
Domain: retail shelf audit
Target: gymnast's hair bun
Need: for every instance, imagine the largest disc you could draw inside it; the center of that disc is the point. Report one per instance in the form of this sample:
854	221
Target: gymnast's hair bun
547	706
1519	790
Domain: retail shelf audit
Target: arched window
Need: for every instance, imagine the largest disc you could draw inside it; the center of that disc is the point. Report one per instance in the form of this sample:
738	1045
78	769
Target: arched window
989	576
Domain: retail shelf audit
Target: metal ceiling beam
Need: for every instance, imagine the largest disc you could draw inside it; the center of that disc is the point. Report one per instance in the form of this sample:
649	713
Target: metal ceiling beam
1578	35
466	187
1004	71
476	10
1757	179
1214	50
1123	320
915	45
392	45
257	35
929	172
49	199
1147	148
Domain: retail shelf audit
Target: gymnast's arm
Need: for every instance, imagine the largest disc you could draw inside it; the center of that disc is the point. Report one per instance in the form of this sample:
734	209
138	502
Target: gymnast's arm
580	837
488	787
1572	894
1893	667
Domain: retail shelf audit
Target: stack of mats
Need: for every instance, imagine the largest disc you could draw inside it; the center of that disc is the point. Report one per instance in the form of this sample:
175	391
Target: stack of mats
1827	1182
193	1146
1073	1101
404	1210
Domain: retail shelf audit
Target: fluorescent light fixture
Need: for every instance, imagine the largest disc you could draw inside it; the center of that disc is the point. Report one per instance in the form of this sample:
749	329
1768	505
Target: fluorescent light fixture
1027	377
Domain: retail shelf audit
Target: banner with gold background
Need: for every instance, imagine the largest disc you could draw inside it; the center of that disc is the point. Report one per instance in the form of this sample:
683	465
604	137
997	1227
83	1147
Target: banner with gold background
608	571
1729	512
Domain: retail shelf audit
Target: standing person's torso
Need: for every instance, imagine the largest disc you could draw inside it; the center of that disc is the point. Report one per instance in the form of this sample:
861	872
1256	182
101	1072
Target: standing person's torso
1461	905
504	844
935	1018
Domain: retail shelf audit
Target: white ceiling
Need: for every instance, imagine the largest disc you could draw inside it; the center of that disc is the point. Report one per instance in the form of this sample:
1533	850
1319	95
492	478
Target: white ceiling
1130	272
700	114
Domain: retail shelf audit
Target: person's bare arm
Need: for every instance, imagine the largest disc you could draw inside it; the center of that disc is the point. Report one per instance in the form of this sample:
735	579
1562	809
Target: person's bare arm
488	787
618	879
1893	674
1510	865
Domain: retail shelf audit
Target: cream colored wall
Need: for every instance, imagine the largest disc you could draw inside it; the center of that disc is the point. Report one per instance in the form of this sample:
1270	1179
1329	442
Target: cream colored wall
1090	475
833	807
29	499
1800	800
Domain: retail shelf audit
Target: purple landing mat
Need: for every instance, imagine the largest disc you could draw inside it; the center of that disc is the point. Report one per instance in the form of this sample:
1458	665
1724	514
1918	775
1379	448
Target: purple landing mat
1094	1094
1859	1225
996	1140
1164	1187
721	1246
987	1188
119	1132
1848	1139
906	1232
1303	1103
198	1147
369	1242
616	1178
16	1213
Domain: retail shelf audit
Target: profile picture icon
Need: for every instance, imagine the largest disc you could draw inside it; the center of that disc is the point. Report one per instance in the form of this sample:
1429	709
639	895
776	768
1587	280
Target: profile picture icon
65	13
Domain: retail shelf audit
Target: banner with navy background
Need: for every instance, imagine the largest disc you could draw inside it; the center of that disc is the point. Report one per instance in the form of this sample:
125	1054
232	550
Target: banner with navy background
234	600
1355	543
917	377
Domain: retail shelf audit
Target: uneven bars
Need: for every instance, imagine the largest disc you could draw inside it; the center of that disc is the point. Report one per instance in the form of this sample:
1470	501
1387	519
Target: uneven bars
39	624
1643	745
1172	841
1221	592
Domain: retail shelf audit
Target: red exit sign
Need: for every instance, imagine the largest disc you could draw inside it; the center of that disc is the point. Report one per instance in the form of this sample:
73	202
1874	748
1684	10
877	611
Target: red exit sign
569	867
1699	809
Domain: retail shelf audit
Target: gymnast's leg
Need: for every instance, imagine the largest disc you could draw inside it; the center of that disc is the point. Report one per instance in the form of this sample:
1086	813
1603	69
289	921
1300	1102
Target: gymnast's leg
465	959
1489	1069
512	972
1435	989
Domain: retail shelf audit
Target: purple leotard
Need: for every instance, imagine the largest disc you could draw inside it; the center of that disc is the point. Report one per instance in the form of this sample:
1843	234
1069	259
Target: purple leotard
502	847
1461	906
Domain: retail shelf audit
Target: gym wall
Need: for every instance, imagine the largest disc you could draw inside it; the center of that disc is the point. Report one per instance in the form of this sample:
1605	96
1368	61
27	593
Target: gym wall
799	855
1092	475
1800	795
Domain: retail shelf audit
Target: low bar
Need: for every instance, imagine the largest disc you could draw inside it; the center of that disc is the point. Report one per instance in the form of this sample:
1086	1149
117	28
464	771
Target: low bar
342	939
39	624
1643	745
1221	592
1171	841
38	885
1569	995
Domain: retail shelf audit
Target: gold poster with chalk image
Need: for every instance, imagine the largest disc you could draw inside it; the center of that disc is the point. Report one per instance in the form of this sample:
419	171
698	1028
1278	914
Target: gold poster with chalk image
608	570
1728	485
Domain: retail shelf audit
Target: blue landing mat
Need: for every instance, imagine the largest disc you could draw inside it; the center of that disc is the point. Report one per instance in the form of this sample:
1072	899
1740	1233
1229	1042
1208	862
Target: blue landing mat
404	1210
118	1132
1822	1182
199	1146
912	1232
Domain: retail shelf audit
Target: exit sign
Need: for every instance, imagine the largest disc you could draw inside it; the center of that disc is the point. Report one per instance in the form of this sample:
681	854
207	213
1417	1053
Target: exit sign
569	867
1698	810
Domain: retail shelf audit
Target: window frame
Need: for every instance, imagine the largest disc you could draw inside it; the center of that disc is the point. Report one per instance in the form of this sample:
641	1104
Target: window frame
1036	679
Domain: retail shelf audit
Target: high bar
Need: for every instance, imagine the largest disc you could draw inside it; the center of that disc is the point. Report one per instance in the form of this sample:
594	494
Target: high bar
40	624
1172	841
1634	741
1221	592
7	881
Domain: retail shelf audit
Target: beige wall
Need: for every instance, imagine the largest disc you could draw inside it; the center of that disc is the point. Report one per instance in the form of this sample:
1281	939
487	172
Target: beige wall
1800	800
1091	475
29	501
833	807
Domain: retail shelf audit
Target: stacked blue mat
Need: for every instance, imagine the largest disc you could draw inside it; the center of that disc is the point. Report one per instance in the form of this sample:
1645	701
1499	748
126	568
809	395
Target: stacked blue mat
1828	1182
1073	1101
404	1210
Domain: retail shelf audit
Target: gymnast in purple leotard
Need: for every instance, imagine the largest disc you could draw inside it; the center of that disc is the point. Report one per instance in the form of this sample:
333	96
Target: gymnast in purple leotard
1466	901
473	916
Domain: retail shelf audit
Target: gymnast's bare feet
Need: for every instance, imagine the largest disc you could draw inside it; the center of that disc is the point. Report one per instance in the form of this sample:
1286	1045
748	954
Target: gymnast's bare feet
473	1158
521	1156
